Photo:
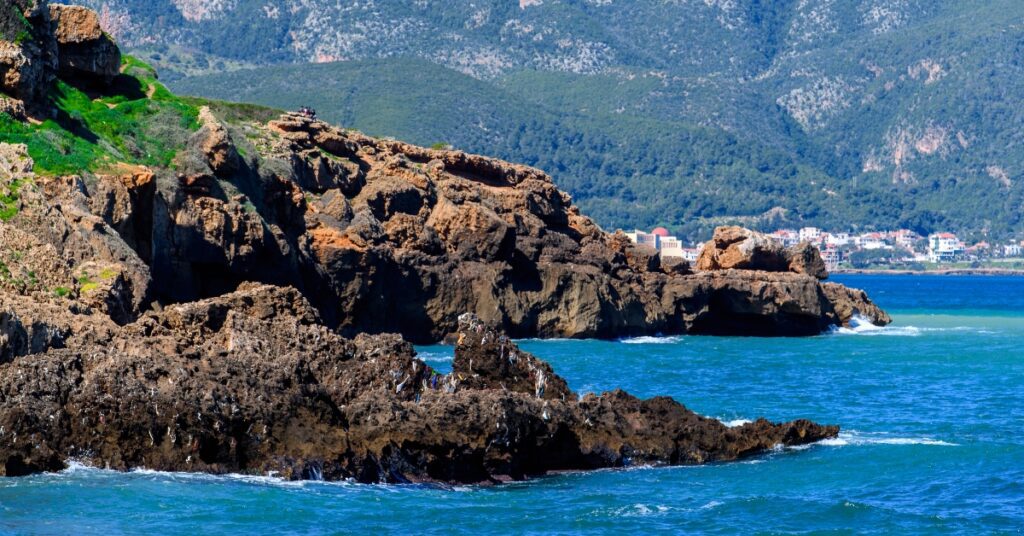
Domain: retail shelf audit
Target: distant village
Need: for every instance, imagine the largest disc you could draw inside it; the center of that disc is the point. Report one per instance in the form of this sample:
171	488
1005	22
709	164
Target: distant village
848	250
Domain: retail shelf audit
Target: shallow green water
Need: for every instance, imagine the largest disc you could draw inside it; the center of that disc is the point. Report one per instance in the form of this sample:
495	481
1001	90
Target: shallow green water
932	410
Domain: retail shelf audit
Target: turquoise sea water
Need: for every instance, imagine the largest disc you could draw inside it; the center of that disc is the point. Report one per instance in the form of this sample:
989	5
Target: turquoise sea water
932	410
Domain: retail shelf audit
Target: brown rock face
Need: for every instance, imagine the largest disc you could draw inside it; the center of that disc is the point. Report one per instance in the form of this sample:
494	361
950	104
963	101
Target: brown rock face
214	142
805	258
137	328
743	249
27	52
406	239
39	42
251	382
848	303
84	51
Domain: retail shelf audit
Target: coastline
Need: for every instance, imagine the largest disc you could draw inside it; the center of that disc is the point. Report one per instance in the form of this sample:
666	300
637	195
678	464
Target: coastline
951	271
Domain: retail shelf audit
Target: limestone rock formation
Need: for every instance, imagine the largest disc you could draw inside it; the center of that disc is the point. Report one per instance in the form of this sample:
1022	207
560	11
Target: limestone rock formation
743	249
805	258
739	248
240	310
252	382
848	303
396	238
83	49
40	42
27	53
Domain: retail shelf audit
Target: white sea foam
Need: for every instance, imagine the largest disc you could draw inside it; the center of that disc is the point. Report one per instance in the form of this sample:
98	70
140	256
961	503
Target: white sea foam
860	325
640	510
858	438
736	422
651	340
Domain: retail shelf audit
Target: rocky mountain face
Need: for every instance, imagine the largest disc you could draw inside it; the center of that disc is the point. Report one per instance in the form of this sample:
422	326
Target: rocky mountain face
902	106
225	312
40	42
380	235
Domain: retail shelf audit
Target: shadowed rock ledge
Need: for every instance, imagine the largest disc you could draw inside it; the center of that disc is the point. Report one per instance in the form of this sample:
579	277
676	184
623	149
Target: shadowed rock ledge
252	382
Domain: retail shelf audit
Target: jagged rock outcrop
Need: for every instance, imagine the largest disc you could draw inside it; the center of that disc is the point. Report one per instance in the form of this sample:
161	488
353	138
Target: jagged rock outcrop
83	49
252	382
137	328
805	258
405	239
384	236
40	42
848	303
27	54
743	249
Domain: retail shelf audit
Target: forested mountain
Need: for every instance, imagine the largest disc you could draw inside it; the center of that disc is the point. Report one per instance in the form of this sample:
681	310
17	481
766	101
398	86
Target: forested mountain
852	114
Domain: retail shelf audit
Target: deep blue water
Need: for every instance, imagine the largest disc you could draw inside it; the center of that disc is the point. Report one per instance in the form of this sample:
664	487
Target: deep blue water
932	410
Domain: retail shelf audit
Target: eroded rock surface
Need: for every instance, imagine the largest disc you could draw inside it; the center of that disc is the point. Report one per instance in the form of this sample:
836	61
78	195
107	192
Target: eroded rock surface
232	312
83	49
742	249
388	237
252	382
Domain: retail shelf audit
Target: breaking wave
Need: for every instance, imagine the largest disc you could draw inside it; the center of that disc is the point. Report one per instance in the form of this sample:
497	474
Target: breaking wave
860	325
855	438
651	340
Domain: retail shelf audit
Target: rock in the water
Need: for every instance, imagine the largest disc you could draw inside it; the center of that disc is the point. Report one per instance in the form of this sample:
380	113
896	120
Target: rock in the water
850	303
251	382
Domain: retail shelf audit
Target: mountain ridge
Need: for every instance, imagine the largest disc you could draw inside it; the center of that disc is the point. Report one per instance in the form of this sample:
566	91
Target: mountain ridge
895	109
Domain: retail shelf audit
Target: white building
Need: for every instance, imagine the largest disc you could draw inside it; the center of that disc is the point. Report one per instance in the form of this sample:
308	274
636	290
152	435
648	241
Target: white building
832	258
872	241
671	247
944	247
644	239
905	238
659	239
837	239
1011	250
786	237
810	234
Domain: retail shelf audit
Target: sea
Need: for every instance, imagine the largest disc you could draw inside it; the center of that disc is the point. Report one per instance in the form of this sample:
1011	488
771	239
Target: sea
932	442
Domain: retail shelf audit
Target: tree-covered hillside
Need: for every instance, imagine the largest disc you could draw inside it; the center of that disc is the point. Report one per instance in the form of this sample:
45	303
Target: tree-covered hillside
850	115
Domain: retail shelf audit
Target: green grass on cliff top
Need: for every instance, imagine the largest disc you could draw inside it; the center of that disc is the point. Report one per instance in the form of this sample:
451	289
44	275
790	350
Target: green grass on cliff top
137	121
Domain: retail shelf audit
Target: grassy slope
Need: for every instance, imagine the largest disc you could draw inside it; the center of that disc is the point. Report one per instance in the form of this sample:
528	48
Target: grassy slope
96	132
138	121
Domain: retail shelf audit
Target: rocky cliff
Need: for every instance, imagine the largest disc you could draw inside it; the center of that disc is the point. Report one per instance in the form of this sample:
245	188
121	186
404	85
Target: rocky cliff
223	311
381	236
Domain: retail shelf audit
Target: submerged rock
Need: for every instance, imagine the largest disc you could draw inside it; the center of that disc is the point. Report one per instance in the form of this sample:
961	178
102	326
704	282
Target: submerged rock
252	382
